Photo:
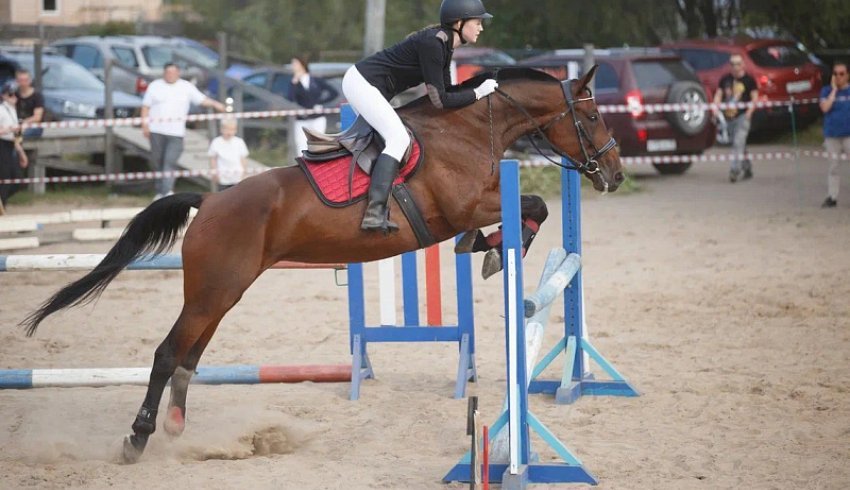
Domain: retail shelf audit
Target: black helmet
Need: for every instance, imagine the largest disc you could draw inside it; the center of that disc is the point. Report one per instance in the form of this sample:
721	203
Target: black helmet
454	10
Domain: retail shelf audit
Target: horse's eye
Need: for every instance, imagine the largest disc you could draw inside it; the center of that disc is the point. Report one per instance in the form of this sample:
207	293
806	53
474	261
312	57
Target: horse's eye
594	117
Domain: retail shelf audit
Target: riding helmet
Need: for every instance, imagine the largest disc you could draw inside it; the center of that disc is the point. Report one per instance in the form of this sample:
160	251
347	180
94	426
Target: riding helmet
452	11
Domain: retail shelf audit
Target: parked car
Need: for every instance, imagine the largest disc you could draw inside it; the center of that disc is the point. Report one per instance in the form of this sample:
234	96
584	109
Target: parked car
781	69
70	91
471	61
145	54
278	80
636	77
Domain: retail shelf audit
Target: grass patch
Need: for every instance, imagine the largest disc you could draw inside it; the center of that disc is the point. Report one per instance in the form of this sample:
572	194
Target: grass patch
546	182
811	135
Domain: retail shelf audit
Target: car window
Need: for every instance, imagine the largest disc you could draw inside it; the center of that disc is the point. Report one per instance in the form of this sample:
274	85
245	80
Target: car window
654	74
778	55
125	56
606	78
196	55
58	75
156	56
88	56
258	80
704	59
281	84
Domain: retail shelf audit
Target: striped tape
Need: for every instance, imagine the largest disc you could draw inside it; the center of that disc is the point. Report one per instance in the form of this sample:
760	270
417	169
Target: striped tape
604	108
132	176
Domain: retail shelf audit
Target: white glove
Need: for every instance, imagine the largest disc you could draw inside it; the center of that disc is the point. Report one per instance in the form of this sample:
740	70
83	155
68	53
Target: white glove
488	87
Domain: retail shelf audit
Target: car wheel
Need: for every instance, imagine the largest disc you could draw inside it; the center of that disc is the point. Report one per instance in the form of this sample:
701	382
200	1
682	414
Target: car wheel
672	168
691	120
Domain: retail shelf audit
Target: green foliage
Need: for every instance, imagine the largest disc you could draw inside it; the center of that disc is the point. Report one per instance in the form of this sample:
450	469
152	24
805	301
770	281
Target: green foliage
112	28
275	30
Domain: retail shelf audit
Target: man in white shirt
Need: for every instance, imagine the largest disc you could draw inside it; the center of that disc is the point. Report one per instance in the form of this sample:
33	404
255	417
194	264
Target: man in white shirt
228	156
166	103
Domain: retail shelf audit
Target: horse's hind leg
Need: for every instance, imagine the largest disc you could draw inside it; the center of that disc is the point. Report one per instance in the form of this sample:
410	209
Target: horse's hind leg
175	418
207	301
185	332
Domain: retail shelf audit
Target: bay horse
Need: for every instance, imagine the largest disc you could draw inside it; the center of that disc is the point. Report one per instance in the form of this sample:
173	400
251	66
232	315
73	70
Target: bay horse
239	233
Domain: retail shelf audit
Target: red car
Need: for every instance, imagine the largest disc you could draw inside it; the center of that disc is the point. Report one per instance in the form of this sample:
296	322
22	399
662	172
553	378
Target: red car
635	78
470	61
780	68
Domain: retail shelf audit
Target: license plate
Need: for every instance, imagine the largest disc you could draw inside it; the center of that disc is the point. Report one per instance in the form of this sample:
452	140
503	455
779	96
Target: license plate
797	87
660	145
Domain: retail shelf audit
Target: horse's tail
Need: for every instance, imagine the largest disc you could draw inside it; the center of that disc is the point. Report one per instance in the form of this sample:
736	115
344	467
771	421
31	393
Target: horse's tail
151	232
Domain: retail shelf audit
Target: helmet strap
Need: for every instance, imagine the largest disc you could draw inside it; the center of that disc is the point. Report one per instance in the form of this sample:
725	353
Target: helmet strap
460	31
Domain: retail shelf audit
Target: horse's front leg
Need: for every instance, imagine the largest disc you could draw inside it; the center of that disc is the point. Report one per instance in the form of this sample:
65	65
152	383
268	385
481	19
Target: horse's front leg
534	212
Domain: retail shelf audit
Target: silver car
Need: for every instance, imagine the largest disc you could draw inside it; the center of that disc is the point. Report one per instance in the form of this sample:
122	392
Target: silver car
70	92
145	54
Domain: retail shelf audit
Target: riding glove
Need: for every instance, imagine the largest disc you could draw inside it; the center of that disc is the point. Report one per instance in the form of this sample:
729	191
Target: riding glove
488	87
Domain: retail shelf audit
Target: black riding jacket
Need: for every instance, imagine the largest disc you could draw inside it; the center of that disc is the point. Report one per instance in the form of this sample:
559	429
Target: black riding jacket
424	56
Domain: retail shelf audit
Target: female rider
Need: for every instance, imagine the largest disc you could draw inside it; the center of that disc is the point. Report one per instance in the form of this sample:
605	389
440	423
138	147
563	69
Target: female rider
424	56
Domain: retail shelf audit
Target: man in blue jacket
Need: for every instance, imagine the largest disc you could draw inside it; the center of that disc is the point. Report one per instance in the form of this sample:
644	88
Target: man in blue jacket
835	104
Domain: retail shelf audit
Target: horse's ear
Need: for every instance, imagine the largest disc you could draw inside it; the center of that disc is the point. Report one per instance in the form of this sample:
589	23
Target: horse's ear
585	80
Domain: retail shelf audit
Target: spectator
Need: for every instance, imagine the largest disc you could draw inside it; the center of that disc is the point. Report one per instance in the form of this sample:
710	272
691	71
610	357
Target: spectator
835	104
166	103
738	87
12	156
309	92
228	156
30	104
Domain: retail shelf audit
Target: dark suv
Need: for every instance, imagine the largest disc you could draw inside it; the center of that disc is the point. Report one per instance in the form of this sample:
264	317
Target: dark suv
635	78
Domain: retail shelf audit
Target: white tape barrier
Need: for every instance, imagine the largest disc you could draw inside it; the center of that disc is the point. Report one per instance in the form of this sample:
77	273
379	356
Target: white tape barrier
606	109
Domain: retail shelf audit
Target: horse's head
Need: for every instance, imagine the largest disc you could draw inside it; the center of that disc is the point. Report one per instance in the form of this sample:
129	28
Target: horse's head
579	134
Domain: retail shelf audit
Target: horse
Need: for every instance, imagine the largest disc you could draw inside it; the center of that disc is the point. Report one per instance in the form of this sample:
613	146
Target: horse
240	232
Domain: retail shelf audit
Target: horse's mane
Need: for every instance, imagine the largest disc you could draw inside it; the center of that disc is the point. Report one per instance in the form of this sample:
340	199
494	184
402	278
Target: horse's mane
513	73
508	74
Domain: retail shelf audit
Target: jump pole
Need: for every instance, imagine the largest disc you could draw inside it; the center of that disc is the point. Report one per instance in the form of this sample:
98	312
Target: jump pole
85	262
411	329
209	375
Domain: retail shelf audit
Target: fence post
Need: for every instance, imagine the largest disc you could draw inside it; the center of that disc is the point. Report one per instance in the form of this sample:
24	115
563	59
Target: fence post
588	62
108	113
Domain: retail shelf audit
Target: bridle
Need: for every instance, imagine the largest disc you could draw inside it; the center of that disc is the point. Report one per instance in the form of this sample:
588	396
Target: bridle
590	165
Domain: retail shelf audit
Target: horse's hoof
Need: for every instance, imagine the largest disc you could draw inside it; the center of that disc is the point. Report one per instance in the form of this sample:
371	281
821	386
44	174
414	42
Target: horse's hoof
133	449
492	263
174	423
464	245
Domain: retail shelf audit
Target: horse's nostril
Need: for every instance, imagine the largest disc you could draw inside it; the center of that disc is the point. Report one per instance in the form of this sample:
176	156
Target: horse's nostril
619	177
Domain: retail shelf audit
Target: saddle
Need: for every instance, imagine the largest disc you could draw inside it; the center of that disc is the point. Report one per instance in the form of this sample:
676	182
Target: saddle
337	166
360	141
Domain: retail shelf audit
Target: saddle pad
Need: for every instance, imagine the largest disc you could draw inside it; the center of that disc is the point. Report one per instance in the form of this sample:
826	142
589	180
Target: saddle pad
330	179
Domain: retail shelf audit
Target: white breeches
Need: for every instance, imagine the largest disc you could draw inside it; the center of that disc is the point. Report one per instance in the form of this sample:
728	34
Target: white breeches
367	101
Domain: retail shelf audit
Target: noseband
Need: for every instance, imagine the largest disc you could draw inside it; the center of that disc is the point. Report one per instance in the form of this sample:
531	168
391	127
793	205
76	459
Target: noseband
590	165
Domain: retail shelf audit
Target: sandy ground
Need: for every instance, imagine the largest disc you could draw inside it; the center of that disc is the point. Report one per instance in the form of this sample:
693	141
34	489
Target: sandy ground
725	305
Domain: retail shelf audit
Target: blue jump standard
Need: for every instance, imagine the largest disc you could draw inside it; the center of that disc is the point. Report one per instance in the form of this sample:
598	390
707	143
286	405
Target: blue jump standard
361	334
576	380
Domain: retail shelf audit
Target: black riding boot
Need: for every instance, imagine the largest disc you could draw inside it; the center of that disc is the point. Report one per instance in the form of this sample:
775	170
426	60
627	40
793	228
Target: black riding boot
377	213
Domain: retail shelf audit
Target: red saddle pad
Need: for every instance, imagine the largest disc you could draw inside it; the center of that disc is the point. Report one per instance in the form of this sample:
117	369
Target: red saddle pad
330	179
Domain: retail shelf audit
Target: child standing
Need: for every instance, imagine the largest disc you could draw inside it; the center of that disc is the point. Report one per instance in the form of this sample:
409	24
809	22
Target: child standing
228	156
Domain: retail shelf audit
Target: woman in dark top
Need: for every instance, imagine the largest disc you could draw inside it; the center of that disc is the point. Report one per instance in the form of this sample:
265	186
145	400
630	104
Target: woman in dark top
424	56
310	92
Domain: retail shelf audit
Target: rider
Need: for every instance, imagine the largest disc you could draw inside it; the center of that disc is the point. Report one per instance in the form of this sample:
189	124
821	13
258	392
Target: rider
424	56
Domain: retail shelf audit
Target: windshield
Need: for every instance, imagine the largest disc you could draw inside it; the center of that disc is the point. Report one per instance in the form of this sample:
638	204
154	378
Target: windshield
61	75
778	56
198	56
660	74
157	56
